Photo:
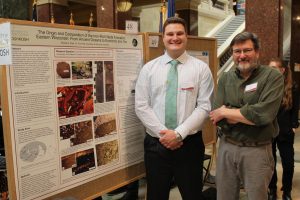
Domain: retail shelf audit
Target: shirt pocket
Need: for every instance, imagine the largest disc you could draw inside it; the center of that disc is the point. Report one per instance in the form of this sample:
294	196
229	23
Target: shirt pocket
187	90
251	97
187	96
187	87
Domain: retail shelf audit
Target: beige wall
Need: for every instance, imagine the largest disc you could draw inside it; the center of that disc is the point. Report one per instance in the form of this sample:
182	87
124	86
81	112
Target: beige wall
149	17
206	24
208	17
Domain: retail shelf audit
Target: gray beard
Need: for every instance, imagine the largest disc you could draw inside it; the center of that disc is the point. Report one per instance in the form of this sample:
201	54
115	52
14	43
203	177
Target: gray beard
247	70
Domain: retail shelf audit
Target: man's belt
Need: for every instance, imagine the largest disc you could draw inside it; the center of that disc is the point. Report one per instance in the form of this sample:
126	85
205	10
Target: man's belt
241	144
246	144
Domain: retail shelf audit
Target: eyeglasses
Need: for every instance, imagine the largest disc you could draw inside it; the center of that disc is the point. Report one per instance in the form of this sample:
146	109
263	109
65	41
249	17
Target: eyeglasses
238	52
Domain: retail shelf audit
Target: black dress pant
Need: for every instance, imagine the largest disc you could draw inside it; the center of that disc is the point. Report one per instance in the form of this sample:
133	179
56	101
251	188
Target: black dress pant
185	165
285	145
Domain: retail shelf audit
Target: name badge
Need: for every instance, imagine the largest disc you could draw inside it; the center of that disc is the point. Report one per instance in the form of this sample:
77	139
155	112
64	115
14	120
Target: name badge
251	87
189	86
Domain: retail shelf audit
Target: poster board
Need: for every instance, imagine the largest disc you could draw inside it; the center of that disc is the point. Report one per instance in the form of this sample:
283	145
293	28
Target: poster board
68	110
200	47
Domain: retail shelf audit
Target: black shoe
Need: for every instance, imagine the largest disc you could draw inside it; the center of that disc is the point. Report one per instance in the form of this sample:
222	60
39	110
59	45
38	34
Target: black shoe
286	196
272	195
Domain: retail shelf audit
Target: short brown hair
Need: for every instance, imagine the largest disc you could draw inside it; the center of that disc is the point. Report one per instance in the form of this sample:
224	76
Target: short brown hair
174	20
243	36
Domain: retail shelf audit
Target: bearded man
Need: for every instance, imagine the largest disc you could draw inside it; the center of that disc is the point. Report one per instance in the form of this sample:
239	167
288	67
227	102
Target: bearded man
245	109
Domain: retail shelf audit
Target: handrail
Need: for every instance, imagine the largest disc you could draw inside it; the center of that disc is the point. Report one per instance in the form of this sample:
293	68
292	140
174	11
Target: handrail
225	45
227	66
216	29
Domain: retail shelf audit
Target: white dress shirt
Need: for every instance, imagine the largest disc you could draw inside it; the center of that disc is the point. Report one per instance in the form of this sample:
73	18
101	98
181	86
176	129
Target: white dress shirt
195	85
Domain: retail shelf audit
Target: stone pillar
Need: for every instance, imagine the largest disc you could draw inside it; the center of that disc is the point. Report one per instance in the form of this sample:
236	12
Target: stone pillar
109	17
15	9
265	18
59	9
106	15
188	10
295	40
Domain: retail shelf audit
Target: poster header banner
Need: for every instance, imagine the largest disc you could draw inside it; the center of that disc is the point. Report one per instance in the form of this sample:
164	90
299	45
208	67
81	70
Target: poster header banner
5	44
48	36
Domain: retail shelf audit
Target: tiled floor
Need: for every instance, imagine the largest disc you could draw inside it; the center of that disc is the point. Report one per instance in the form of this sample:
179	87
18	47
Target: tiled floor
175	195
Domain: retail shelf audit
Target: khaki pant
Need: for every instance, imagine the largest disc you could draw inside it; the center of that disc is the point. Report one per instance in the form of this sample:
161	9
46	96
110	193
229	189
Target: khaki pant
252	166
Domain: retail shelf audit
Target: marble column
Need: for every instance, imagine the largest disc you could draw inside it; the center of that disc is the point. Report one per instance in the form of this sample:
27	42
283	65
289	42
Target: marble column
15	9
265	18
106	15
188	10
57	8
109	17
295	40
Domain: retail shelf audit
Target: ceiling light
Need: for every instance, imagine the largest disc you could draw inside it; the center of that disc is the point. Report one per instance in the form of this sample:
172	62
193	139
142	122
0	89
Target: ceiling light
123	5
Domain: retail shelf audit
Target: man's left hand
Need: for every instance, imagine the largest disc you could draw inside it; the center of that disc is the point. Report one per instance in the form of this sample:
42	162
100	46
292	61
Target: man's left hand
169	140
217	114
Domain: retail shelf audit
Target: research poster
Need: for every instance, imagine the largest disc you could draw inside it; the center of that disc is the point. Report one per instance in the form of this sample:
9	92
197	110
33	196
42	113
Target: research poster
71	103
202	55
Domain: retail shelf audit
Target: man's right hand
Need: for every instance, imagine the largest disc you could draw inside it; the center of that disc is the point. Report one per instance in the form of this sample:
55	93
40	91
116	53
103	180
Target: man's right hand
169	139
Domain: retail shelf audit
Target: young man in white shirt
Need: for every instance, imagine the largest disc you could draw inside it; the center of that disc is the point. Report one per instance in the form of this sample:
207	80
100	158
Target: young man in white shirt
173	143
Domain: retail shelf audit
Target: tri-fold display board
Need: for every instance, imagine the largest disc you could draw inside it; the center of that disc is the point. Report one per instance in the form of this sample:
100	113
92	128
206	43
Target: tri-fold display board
68	107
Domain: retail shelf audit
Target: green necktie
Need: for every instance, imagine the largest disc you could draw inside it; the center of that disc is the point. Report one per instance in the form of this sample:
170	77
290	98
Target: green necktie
171	97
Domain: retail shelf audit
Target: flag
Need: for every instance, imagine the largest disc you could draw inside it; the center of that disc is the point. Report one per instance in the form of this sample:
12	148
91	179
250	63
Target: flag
171	8
34	11
160	22
162	16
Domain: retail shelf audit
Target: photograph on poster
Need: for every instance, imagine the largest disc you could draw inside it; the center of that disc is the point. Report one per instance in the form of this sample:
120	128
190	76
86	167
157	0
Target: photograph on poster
107	152
82	70
75	100
99	82
63	70
105	125
33	151
68	161
109	81
85	161
77	133
79	162
66	131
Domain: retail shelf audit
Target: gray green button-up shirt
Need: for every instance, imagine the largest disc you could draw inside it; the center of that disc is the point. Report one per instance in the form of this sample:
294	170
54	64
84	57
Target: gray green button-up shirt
258	99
